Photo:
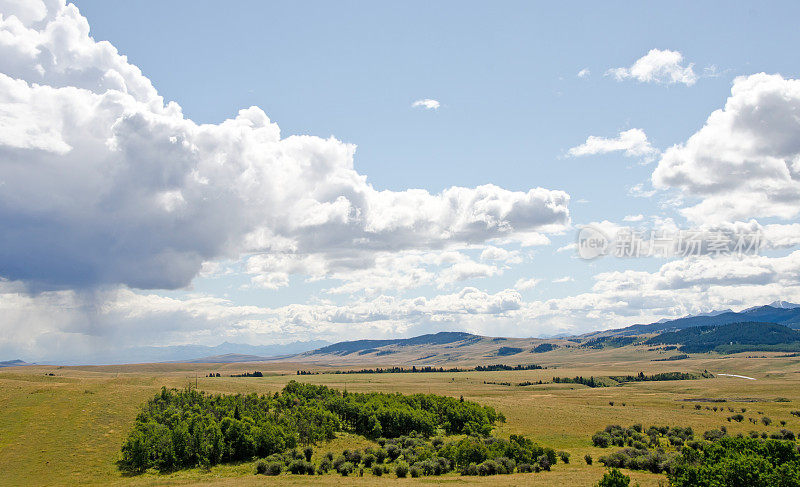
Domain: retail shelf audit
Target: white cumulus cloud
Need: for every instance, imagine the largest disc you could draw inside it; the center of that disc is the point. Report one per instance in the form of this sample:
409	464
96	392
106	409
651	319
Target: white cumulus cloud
633	143
427	103
525	284
658	66
105	184
745	161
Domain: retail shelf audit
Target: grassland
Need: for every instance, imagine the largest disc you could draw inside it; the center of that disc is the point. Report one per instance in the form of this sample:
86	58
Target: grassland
67	428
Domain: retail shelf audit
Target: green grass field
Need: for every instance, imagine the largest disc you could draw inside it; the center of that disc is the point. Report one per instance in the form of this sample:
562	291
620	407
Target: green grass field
67	428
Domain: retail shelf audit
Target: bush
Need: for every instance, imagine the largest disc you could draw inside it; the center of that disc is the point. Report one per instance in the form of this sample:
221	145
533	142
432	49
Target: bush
401	470
271	468
766	421
368	460
602	440
377	470
300	467
712	435
738	461
588	459
415	472
392	451
614	478
339	461
783	434
524	468
507	465
353	457
544	462
308	452
345	469
564	456
489	467
324	465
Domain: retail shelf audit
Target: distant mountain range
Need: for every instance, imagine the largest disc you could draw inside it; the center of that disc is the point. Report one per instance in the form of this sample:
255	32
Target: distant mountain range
780	312
225	352
774	325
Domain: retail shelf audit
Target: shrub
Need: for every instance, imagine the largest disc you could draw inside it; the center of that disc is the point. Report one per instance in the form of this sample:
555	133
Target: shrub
339	461
564	456
415	471
368	460
602	440
308	452
324	465
738	461
273	469
588	459
353	457
377	470
544	462
614	478
345	469
392	451
401	470
300	467
489	467
783	434
766	421
712	435
524	468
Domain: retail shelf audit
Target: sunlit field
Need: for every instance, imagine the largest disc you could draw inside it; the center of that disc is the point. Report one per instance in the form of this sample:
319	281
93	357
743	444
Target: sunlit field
67	428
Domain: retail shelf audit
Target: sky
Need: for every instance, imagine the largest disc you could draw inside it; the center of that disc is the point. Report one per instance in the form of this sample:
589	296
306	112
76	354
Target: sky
268	172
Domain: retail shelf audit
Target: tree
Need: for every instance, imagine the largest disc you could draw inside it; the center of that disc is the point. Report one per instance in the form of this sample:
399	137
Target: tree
614	478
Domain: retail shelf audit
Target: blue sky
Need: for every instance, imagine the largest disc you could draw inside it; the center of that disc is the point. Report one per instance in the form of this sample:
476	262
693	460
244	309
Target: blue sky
511	105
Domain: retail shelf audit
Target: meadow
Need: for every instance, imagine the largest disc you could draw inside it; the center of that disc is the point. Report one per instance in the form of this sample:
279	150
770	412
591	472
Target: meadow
67	428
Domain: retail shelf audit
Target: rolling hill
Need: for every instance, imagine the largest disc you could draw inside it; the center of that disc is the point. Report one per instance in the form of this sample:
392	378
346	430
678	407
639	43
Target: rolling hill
781	313
13	363
432	349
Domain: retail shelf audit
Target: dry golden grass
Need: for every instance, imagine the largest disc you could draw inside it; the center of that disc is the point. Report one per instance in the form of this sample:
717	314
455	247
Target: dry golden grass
67	429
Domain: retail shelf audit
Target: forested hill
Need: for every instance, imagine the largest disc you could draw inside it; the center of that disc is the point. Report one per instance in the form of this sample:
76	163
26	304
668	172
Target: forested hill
789	317
735	337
